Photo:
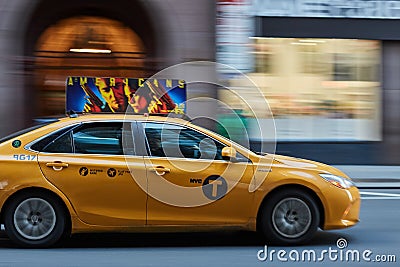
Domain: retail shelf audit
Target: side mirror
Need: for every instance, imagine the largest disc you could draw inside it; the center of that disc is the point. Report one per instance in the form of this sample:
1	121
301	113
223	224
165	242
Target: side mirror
229	153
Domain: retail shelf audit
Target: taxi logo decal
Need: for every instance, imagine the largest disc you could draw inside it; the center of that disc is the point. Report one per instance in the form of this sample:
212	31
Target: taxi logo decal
16	143
215	187
83	171
111	172
195	181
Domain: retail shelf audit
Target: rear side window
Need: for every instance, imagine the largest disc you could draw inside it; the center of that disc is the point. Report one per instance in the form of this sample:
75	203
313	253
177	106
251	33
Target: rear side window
50	143
62	144
88	138
99	138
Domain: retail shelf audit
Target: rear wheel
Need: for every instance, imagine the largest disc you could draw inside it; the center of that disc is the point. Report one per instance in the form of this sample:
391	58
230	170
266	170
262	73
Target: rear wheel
35	220
289	217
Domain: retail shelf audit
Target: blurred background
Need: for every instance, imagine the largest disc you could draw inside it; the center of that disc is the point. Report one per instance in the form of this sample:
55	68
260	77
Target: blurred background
330	70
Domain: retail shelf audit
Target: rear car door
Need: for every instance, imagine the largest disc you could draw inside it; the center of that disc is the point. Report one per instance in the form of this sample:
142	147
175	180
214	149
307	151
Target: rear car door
87	164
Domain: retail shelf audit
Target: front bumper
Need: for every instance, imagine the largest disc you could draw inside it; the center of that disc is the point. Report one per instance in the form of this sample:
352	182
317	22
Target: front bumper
342	209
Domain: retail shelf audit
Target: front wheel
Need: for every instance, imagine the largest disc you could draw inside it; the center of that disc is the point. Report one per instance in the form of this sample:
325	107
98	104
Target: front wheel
35	220
289	217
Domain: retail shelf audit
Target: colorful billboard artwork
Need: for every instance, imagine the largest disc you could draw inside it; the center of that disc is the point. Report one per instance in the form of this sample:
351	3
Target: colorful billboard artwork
115	95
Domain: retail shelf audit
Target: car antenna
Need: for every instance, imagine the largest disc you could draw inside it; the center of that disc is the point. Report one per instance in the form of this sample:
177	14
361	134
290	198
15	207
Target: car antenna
72	114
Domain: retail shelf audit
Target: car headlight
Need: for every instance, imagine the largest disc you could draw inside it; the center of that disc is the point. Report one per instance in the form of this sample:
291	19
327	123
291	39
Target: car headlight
337	181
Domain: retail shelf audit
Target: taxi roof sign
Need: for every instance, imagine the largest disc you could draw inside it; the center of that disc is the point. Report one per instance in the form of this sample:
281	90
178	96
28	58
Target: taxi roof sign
116	95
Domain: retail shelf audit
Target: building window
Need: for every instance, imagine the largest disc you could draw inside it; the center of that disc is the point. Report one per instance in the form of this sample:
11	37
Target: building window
320	89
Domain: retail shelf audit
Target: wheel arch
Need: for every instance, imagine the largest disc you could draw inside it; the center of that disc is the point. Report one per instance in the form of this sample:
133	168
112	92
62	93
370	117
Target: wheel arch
39	190
282	188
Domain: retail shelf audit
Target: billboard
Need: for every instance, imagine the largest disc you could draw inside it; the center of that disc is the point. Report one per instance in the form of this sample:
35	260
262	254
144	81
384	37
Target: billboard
115	95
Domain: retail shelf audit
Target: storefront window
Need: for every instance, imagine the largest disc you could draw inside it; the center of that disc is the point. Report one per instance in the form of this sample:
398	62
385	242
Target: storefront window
320	89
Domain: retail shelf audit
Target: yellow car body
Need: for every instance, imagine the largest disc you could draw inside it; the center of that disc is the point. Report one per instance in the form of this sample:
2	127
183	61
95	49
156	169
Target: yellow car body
91	191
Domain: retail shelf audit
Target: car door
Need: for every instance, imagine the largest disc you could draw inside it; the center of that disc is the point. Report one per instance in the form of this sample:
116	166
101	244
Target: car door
88	165
188	180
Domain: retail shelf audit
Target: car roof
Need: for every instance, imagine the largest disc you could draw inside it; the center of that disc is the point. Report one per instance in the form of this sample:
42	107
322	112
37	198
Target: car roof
50	124
121	116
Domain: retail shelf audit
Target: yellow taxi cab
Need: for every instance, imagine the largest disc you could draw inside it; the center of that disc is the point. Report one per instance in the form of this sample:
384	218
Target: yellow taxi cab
113	173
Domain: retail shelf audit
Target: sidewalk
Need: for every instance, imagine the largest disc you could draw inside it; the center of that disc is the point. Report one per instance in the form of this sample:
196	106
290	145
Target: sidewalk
373	176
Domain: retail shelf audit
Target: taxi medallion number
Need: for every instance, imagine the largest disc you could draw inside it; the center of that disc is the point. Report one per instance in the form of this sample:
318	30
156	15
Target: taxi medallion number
24	157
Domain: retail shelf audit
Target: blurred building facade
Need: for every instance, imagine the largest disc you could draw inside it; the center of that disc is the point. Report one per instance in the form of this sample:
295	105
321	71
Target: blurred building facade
44	41
328	69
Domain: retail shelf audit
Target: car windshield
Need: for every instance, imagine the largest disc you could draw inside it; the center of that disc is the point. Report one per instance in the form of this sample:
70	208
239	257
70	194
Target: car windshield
38	125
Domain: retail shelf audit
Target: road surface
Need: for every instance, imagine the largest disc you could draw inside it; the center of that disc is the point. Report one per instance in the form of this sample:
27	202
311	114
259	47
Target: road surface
378	234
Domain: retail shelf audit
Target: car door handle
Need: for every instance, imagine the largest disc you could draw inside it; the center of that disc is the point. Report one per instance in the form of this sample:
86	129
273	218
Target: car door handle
160	170
57	165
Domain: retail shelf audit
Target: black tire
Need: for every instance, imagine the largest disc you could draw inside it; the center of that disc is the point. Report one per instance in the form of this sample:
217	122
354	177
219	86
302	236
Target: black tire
35	220
289	217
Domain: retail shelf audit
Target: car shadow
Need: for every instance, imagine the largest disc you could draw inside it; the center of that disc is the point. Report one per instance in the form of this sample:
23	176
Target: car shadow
198	239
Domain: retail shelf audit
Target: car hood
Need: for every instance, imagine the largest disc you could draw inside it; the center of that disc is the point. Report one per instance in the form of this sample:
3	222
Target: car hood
304	164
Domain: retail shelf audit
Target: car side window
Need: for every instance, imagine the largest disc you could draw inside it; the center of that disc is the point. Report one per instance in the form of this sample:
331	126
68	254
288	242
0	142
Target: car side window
57	142
98	138
88	138
170	140
62	144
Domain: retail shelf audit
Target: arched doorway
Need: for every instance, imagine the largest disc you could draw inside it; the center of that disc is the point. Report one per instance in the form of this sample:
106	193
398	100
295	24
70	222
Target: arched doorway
90	38
83	46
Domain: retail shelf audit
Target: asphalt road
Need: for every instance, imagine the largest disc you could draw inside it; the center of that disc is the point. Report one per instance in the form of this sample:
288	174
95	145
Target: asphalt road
376	237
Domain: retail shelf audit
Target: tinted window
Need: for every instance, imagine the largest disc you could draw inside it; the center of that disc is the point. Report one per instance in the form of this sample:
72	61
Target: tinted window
48	144
62	144
169	140
99	138
88	138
